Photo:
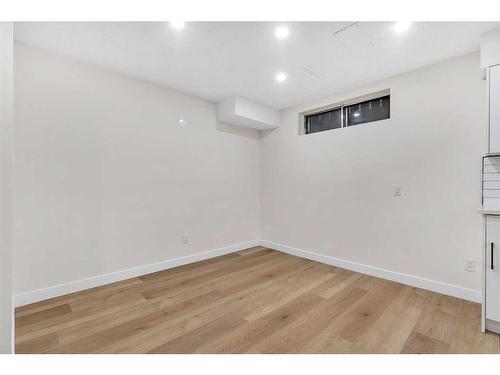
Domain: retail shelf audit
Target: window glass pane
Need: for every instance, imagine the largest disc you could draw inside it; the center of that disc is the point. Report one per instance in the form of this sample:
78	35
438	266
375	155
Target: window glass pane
323	121
371	110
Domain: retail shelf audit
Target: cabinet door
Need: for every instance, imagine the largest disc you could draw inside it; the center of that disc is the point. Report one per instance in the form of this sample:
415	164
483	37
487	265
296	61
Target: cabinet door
493	268
494	105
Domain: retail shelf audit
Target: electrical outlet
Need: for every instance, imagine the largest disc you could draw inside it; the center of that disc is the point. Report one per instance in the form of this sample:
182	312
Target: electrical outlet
397	191
185	239
470	265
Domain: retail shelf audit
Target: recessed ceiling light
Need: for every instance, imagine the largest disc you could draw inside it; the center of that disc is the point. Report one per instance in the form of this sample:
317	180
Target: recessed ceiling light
281	77
356	114
178	25
281	32
401	26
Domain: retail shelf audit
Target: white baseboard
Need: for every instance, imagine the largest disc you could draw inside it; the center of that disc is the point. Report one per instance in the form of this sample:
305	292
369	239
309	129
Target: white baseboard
92	282
416	281
95	281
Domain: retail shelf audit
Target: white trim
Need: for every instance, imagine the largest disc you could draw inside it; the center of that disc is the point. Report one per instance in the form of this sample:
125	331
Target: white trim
492	326
95	281
92	282
13	324
416	281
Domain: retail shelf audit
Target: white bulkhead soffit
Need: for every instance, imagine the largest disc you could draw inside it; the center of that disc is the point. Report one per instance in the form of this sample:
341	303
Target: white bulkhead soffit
246	113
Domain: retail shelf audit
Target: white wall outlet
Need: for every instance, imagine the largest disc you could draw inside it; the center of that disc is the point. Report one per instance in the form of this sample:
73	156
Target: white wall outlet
185	239
397	191
470	265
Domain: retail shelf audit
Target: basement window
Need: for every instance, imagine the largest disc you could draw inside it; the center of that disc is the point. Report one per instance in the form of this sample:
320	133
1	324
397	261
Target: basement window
322	121
374	107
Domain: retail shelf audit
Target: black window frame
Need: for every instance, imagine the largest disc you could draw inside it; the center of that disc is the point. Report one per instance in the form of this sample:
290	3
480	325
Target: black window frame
329	110
343	112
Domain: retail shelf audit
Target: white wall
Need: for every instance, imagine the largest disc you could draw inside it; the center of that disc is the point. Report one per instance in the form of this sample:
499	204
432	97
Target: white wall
6	123
332	192
106	179
490	48
115	181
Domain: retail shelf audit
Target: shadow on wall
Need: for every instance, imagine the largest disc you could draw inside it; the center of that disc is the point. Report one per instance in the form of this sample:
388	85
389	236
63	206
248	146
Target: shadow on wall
237	130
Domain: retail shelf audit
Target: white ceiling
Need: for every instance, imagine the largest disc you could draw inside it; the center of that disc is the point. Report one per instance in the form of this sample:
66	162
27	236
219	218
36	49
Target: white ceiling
215	60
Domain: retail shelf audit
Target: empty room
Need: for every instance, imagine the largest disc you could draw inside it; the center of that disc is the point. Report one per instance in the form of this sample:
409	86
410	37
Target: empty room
250	187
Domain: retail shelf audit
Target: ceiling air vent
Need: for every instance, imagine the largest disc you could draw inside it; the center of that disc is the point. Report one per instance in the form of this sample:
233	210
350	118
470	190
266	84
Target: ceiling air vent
345	28
311	72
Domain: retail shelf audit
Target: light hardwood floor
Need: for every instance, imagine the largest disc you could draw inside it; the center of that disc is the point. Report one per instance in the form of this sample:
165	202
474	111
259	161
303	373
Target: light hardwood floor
254	301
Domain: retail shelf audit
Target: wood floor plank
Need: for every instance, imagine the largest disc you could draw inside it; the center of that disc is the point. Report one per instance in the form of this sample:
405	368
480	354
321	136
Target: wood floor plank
332	286
60	322
286	289
253	333
194	341
157	289
467	337
251	251
205	266
99	303
42	344
422	344
253	301
93	343
360	317
106	321
41	315
91	327
82	317
389	333
306	328
77	296
369	283
235	283
328	343
145	341
437	321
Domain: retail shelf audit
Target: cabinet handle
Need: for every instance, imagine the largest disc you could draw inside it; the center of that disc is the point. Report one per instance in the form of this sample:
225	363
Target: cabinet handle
491	262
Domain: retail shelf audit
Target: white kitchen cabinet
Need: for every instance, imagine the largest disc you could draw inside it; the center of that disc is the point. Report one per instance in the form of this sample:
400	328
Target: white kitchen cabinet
494	109
492	273
490	60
